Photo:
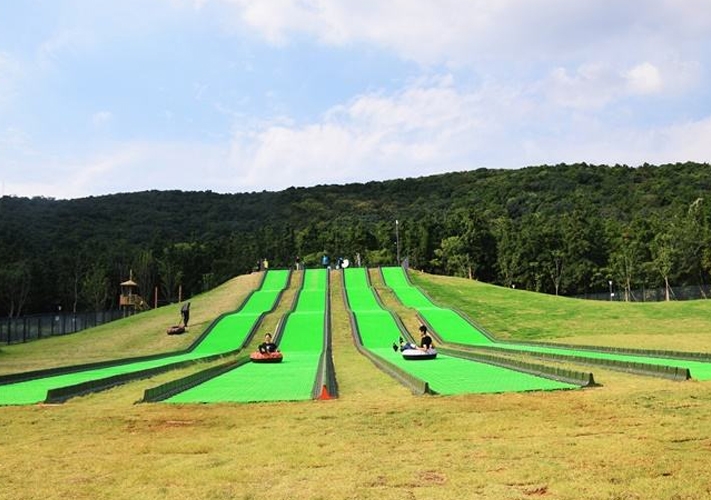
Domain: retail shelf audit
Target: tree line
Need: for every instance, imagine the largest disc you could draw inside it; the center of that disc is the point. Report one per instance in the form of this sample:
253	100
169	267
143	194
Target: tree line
560	229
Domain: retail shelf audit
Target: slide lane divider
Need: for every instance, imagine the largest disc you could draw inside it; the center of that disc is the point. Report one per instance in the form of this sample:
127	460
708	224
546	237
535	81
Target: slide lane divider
164	391
678	373
279	330
326	385
702	357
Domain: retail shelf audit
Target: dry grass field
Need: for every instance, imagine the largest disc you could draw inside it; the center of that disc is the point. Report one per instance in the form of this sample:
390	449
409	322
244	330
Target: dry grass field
632	438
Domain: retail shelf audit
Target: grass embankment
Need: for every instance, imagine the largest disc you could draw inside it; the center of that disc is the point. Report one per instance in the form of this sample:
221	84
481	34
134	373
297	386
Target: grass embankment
522	315
634	438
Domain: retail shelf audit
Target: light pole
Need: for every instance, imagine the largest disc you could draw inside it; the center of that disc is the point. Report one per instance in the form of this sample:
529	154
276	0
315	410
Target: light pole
611	294
397	240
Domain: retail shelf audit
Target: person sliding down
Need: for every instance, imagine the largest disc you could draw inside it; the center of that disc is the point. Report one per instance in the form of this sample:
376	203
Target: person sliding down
267	347
425	342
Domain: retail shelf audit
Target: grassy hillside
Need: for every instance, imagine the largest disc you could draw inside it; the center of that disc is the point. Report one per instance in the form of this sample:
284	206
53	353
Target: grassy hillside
522	315
138	335
632	438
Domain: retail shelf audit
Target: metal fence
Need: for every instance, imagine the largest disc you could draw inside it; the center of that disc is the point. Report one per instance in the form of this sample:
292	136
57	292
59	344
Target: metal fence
27	328
653	294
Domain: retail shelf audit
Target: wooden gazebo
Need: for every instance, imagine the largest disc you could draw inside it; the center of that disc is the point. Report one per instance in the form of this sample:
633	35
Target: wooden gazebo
130	300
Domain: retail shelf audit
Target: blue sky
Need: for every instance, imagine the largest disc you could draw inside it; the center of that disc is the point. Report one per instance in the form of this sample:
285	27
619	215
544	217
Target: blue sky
239	96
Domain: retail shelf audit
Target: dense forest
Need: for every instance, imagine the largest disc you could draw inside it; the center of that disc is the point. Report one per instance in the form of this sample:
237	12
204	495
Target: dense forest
563	229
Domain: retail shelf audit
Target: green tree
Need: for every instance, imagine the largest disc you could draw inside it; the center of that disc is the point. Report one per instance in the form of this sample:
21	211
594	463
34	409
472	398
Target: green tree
15	281
171	273
694	240
508	255
144	268
452	257
95	287
625	261
664	249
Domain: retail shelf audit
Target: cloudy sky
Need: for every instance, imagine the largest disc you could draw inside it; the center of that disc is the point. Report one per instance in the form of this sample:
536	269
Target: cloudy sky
100	97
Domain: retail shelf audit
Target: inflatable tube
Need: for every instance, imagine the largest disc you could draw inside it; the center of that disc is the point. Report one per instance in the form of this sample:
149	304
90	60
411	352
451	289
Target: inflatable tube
271	357
416	354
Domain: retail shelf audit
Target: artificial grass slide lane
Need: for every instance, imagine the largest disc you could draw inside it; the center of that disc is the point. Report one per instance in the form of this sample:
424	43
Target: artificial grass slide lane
445	374
301	344
451	327
227	335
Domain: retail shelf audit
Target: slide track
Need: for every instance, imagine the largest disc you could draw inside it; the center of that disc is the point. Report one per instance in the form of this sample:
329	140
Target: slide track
460	332
227	334
377	329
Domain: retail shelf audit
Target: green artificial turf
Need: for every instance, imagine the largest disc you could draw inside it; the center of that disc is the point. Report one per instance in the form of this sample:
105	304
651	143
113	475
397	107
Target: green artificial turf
301	345
451	327
228	334
290	380
445	374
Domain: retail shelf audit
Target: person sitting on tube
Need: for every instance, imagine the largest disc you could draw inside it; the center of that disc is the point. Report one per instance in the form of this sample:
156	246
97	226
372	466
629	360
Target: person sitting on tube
425	342
268	346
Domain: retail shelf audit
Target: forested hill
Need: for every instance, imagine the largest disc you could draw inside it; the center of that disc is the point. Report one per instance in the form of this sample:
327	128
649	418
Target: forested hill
559	229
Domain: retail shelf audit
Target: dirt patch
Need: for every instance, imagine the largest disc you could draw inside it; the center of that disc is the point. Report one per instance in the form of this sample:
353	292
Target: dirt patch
538	491
159	425
433	477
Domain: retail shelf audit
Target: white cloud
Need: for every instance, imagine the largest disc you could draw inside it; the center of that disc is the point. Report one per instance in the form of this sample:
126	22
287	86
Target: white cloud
644	78
591	86
430	126
596	85
537	81
433	126
687	141
452	31
418	30
594	141
420	129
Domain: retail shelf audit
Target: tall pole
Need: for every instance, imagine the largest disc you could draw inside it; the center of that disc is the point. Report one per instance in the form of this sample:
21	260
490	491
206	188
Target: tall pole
397	239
